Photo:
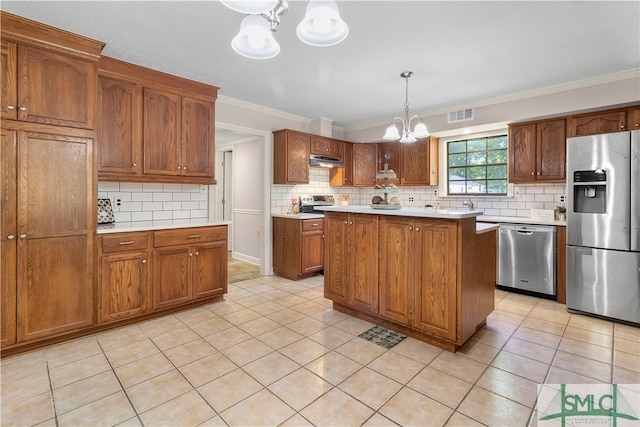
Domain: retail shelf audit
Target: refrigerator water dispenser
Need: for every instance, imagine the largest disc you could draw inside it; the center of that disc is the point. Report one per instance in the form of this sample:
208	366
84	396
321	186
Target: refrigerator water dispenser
590	191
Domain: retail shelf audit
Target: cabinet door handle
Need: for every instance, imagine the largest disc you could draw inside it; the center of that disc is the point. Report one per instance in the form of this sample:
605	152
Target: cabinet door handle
10	107
179	168
346	222
194	236
314	225
538	173
417	228
190	253
134	164
144	261
197	253
350	222
23	108
23	236
410	228
622	127
184	168
533	173
11	237
128	242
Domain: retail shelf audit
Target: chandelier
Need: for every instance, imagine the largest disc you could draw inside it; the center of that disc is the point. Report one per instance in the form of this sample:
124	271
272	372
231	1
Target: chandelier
408	135
321	26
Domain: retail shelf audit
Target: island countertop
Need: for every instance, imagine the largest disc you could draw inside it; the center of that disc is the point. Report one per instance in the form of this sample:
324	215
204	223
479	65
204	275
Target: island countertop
415	212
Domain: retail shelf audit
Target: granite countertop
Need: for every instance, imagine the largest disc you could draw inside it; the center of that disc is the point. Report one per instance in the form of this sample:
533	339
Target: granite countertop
520	220
299	215
416	212
123	227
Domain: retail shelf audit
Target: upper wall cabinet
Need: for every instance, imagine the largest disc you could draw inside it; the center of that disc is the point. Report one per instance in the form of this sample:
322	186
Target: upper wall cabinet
291	157
324	146
414	163
154	127
608	121
537	152
50	82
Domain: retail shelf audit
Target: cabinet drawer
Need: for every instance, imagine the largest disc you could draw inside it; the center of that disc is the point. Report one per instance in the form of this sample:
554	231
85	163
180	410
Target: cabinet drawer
187	236
123	242
312	224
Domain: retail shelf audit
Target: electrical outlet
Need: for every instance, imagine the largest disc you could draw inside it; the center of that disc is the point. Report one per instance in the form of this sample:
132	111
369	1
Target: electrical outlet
435	192
118	202
411	199
562	198
203	189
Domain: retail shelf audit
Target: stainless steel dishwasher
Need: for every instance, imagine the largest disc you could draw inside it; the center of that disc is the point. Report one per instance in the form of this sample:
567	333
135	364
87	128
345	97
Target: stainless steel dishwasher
527	258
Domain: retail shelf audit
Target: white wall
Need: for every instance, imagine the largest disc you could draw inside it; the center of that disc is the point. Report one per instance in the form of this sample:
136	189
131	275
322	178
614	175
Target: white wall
247	215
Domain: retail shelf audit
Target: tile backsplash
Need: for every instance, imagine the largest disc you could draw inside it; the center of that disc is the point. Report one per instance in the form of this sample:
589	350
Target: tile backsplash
525	196
133	201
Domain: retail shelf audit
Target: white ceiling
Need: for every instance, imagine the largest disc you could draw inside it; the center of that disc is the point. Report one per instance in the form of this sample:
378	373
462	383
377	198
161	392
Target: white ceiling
460	52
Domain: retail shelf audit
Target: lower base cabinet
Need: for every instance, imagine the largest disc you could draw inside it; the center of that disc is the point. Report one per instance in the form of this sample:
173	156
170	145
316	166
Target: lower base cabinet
429	278
189	264
153	270
298	246
351	260
124	279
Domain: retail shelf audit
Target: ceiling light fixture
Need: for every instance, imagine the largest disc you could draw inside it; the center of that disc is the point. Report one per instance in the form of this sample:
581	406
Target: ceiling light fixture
321	26
408	135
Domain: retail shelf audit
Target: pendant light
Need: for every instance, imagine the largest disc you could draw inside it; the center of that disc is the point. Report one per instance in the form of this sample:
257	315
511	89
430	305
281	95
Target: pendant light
420	131
321	26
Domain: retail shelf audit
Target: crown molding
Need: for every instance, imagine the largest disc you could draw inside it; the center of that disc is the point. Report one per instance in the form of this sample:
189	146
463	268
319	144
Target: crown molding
261	109
517	96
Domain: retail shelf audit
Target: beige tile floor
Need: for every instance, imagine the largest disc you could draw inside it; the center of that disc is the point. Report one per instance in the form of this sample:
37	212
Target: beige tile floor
275	353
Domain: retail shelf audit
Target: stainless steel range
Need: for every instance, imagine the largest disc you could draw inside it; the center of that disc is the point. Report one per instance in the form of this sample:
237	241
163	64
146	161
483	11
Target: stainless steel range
308	202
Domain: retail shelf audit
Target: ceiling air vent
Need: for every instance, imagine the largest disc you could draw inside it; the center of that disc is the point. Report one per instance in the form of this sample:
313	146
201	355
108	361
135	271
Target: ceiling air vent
461	115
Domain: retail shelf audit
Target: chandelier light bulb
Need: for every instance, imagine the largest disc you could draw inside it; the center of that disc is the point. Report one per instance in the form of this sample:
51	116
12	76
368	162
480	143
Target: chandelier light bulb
255	40
322	25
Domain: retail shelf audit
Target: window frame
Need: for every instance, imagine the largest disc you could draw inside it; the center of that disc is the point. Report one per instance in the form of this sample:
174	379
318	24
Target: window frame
443	187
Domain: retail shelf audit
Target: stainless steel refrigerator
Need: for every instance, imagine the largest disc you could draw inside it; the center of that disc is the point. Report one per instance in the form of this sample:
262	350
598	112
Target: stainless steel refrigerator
603	225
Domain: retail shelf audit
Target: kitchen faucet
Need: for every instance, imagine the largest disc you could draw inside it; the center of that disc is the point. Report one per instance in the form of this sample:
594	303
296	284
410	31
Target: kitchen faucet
468	203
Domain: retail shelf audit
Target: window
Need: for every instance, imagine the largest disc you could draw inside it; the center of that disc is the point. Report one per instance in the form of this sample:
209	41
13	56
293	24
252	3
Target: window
477	166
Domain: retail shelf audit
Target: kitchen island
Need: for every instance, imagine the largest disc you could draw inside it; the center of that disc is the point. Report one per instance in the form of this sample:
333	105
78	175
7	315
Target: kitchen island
426	273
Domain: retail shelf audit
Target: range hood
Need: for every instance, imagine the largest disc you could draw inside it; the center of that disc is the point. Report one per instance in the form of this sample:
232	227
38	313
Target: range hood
325	162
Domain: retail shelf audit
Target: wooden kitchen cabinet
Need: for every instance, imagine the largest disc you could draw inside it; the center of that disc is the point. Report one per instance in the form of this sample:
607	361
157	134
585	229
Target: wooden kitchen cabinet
9	235
537	151
633	118
119	131
48	77
351	260
418	289
324	146
189	264
291	150
342	177
154	127
53	239
414	163
360	166
596	123
124	279
298	247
